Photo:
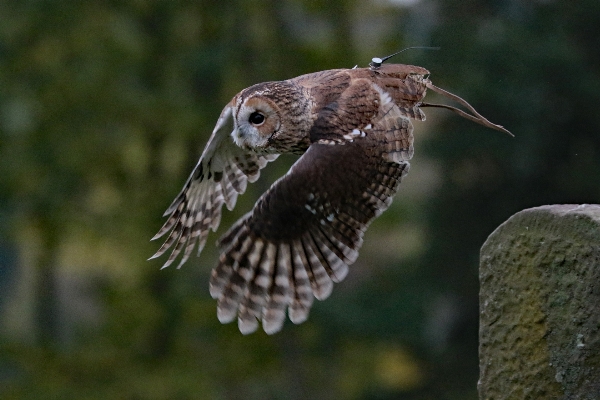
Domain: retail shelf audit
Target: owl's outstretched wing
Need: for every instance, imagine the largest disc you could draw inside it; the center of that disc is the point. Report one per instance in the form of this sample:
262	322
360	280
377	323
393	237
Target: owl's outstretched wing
222	173
306	230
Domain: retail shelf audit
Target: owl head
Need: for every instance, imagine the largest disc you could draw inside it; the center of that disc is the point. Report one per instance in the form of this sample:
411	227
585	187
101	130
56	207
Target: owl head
263	114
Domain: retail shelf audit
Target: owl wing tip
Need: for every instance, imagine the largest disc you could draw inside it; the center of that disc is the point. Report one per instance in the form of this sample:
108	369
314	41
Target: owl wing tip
198	208
157	236
298	315
273	321
169	261
226	316
250	325
215	292
259	281
247	325
324	290
340	273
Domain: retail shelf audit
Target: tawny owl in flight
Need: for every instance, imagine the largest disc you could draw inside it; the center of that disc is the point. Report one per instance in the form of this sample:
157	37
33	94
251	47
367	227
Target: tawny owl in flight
353	129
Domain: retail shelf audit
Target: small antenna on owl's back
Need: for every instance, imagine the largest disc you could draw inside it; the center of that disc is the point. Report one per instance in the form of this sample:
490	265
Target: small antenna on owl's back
376	61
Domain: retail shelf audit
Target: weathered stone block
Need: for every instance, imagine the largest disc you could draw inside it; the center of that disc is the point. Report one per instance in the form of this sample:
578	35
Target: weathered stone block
539	335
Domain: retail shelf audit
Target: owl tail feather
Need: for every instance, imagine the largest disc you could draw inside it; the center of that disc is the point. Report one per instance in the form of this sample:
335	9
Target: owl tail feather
476	117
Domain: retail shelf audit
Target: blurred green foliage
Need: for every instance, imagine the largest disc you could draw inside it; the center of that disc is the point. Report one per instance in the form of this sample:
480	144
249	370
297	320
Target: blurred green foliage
105	108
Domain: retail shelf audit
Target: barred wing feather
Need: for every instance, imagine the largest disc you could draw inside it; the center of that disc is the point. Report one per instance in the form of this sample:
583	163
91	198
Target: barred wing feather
222	173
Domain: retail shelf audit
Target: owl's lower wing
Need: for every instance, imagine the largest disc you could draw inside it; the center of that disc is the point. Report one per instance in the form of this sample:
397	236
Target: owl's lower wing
222	173
307	229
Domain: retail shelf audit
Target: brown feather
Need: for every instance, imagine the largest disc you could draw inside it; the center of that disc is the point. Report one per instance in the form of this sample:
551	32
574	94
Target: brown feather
353	129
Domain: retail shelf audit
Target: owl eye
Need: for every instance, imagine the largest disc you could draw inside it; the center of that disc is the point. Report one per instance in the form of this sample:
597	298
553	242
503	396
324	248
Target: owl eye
256	118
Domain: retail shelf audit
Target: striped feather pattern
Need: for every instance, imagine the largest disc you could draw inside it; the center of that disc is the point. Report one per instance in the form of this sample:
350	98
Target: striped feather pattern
258	280
286	253
197	209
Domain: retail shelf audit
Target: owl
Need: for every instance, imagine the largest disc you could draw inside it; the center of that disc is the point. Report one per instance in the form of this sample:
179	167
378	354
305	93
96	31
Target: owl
353	130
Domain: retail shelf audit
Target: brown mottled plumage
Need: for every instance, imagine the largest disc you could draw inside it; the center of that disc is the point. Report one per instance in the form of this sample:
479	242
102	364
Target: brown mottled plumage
354	131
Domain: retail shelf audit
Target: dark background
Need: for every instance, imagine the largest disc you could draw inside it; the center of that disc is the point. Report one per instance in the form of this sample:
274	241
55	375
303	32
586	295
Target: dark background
106	106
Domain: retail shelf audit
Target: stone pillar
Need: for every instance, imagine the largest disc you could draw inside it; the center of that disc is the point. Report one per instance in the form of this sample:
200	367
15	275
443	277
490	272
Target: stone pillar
539	334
